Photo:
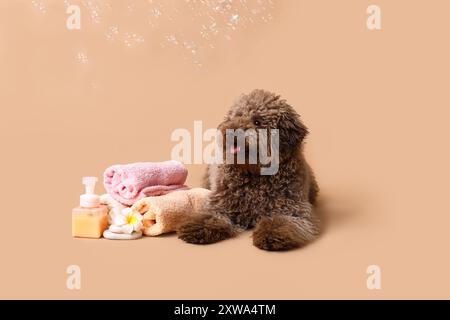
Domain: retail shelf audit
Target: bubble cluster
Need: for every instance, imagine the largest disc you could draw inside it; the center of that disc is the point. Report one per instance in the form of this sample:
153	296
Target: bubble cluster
129	39
132	39
112	33
93	8
193	27
82	58
211	21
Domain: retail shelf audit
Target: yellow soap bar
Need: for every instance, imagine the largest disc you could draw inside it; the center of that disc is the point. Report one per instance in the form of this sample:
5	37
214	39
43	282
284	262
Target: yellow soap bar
89	222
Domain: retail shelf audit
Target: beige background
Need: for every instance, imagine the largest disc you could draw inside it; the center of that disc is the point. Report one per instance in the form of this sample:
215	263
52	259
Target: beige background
376	104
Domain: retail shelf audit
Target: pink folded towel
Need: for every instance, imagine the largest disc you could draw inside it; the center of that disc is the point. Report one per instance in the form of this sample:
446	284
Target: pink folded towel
130	182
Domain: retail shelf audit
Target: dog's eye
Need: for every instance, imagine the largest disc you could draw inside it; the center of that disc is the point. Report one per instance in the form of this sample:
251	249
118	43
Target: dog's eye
256	123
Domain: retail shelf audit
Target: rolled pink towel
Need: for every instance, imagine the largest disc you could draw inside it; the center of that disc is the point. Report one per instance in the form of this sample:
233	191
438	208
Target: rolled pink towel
130	182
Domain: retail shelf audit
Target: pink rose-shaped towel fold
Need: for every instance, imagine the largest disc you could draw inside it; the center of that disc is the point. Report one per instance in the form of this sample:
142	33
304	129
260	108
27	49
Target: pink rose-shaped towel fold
130	182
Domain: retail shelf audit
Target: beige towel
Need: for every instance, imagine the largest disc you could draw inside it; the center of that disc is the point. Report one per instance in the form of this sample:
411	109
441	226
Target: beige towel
163	214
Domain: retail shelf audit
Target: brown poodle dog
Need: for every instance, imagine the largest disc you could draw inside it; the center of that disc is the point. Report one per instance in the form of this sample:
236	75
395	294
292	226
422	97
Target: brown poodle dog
279	206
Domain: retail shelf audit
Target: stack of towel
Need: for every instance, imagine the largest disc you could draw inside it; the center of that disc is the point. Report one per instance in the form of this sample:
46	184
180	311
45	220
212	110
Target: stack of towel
149	197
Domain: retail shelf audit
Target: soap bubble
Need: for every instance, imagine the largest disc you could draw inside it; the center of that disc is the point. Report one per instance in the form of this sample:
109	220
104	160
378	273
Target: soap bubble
132	39
112	32
172	39
40	5
82	58
131	8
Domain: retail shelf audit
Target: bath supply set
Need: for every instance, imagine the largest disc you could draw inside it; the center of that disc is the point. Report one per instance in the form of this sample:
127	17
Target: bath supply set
145	198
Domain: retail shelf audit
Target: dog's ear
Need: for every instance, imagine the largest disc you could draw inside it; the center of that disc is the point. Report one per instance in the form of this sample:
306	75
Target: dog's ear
292	130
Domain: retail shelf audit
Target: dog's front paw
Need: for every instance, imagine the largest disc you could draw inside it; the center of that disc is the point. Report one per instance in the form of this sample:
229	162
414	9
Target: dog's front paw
205	229
278	233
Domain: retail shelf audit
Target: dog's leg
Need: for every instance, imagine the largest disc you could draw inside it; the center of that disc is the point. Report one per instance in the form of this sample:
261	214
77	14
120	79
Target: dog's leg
283	232
313	187
206	228
205	179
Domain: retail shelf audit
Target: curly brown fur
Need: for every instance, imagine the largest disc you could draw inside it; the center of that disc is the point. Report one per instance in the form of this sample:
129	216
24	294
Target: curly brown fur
279	205
284	232
206	228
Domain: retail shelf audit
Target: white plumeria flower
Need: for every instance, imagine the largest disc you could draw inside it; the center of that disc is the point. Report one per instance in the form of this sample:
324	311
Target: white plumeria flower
127	222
